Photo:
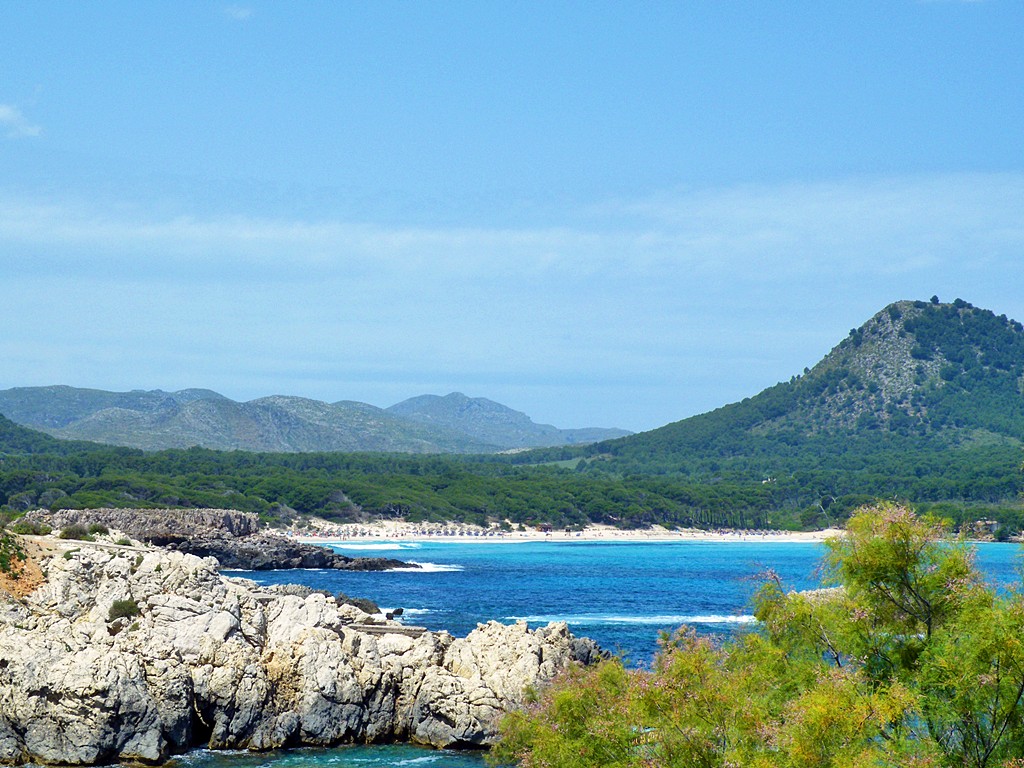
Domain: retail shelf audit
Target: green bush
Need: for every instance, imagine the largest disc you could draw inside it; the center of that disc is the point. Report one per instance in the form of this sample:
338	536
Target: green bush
10	552
99	528
31	528
123	609
75	531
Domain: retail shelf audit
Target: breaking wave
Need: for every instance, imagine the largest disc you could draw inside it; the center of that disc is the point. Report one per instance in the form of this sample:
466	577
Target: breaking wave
427	568
374	546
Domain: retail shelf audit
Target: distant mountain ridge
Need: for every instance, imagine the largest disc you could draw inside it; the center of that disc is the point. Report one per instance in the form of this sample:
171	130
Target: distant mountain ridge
155	420
492	422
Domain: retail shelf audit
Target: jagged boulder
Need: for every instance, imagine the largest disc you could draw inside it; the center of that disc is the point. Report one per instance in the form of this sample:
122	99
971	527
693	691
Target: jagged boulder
136	655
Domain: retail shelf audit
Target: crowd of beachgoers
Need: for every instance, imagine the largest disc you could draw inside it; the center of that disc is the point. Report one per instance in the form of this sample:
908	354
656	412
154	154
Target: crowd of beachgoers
322	531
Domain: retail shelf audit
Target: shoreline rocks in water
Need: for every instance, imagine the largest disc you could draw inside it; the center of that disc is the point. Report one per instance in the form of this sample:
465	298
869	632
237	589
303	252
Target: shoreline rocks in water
234	538
135	655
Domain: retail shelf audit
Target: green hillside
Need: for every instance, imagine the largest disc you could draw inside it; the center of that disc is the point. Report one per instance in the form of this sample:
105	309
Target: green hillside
916	374
19	440
922	403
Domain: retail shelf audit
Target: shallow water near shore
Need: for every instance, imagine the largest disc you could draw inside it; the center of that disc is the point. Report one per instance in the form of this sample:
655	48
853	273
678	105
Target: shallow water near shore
381	756
621	594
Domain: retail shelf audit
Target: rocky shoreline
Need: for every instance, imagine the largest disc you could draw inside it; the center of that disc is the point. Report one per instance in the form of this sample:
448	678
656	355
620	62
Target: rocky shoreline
136	654
236	539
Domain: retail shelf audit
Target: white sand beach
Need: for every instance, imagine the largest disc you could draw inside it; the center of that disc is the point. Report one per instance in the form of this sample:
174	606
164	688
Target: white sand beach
324	532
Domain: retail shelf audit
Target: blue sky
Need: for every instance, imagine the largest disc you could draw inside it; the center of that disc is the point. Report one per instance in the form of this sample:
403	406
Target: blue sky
601	214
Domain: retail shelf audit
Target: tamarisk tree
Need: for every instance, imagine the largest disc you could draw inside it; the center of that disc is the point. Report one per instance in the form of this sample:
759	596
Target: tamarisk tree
908	659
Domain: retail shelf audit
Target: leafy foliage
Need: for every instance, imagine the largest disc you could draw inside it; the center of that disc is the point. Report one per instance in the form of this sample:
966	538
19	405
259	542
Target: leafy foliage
11	553
911	662
30	527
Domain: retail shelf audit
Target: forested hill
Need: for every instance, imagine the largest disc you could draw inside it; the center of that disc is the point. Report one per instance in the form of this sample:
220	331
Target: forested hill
922	403
921	387
16	439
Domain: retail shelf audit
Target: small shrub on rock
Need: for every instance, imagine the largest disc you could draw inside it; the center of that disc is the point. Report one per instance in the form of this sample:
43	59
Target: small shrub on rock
31	528
99	528
123	609
75	531
11	554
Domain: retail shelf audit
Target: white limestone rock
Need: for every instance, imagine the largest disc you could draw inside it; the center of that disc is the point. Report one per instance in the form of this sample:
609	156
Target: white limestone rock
219	662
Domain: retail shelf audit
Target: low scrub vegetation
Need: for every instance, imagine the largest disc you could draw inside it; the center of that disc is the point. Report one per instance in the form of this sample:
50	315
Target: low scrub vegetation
30	528
76	532
911	661
123	609
11	553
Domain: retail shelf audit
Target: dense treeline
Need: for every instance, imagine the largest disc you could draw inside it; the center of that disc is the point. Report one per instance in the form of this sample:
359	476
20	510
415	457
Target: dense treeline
348	486
984	481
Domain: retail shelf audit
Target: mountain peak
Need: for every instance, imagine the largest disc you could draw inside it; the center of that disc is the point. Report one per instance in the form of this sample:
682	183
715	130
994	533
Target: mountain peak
916	373
906	359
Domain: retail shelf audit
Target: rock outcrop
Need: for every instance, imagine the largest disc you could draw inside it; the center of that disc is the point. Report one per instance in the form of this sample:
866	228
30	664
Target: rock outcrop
134	655
234	538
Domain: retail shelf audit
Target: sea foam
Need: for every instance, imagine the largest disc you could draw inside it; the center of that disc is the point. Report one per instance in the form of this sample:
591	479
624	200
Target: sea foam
374	546
654	620
428	568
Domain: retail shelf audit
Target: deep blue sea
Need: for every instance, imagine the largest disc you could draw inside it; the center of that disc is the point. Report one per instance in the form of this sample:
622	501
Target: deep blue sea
619	593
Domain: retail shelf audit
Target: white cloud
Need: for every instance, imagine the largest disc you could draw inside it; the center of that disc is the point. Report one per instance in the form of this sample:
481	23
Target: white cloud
881	226
15	124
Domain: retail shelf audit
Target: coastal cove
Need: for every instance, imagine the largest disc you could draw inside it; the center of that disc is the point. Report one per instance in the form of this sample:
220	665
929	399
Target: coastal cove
618	593
258	646
131	653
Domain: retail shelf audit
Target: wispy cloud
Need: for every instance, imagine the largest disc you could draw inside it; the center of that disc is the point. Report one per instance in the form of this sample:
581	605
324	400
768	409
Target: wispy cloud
864	227
237	12
737	288
881	226
15	125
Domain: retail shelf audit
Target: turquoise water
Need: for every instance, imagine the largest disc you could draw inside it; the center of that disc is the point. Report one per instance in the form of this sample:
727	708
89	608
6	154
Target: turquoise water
619	593
385	756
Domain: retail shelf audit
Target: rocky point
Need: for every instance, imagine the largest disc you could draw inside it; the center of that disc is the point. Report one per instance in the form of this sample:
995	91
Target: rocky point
134	654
